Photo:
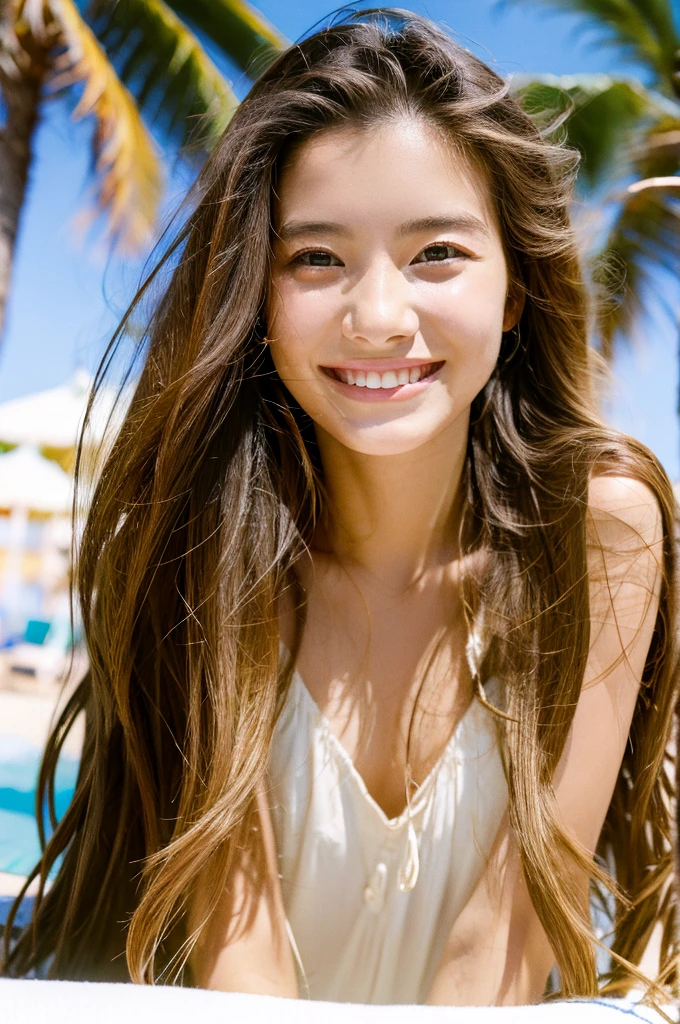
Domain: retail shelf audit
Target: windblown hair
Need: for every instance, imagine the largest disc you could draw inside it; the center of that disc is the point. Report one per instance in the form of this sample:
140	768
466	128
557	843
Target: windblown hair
211	491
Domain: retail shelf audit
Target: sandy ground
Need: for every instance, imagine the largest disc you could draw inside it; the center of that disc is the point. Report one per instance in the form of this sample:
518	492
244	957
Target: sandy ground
10	885
29	715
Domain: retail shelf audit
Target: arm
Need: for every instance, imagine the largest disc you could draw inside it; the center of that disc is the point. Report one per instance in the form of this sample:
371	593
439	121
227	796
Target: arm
245	946
497	952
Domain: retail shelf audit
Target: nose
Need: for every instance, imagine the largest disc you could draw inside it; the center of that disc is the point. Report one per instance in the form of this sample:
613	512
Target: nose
379	307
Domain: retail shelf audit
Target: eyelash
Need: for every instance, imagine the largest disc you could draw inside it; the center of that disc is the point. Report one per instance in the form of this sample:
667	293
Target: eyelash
298	259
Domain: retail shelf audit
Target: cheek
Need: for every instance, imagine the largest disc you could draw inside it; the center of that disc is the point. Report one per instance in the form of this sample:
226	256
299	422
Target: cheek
468	319
296	316
300	322
293	333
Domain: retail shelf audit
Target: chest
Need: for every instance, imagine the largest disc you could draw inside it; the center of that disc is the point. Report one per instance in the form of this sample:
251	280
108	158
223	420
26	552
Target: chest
392	683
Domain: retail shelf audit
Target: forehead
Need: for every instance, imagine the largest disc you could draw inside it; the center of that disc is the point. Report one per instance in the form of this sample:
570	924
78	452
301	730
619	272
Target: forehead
396	171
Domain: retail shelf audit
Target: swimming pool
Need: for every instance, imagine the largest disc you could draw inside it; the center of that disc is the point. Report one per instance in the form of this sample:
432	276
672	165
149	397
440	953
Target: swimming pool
19	764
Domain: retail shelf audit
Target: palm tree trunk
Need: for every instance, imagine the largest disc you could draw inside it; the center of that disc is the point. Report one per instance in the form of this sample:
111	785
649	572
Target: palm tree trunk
20	93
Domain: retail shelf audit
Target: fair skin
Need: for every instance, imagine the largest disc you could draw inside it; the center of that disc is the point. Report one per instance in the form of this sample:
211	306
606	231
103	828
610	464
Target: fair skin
389	256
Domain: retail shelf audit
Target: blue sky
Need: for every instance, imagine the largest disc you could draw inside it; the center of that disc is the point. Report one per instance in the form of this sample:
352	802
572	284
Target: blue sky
68	295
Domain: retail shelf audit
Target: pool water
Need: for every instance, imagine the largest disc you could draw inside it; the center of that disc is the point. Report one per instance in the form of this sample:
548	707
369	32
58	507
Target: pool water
19	765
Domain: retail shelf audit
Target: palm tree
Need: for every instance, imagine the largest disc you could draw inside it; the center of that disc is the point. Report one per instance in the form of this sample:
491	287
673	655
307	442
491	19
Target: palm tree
629	136
131	61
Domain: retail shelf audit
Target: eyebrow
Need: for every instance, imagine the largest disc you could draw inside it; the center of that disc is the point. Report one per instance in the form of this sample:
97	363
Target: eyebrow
466	222
295	228
458	222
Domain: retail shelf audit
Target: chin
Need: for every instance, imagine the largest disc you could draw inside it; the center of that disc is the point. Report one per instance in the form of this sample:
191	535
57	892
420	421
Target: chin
384	440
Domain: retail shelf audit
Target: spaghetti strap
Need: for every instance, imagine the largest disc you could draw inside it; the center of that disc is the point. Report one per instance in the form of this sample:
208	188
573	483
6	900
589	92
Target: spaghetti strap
302	977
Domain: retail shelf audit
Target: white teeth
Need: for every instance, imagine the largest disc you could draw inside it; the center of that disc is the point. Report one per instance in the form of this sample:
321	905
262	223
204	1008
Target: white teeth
389	379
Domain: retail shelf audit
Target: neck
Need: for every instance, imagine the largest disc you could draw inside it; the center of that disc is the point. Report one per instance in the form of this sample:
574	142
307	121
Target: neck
393	517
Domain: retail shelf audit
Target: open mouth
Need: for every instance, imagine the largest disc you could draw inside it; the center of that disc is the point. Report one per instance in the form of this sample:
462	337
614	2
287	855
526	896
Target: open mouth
385	381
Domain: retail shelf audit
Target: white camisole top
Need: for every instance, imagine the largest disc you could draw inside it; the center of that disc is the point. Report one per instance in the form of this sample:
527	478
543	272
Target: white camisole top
370	900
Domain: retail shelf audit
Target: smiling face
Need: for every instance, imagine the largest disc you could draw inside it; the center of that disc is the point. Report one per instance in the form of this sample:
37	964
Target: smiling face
389	289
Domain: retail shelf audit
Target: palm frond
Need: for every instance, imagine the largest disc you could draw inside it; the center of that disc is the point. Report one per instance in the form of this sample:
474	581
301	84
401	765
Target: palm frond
26	38
658	156
646	31
125	160
644	238
167	69
645	233
601	116
241	32
631	136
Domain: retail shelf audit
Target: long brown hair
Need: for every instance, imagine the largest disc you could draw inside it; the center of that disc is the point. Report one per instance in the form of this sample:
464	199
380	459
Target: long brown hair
210	492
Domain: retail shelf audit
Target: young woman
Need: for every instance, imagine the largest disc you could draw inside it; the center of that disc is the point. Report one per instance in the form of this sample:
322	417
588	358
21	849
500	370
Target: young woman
379	613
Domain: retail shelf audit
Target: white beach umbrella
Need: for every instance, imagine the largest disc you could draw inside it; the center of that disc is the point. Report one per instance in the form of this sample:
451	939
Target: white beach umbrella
30	481
52	418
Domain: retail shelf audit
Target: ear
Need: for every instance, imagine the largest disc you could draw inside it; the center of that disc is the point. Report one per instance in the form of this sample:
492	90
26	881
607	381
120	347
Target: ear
514	305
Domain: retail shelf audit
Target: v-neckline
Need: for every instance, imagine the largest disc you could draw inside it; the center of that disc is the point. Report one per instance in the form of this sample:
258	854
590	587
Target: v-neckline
339	748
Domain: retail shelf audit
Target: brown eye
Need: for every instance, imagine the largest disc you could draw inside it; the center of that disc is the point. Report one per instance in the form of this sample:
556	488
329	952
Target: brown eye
317	258
438	252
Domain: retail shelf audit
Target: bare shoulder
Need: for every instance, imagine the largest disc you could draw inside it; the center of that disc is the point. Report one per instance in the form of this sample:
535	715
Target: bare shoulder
624	529
624	507
625	569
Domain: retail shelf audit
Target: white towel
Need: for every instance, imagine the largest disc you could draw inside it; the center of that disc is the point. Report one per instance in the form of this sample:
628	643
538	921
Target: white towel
68	1002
